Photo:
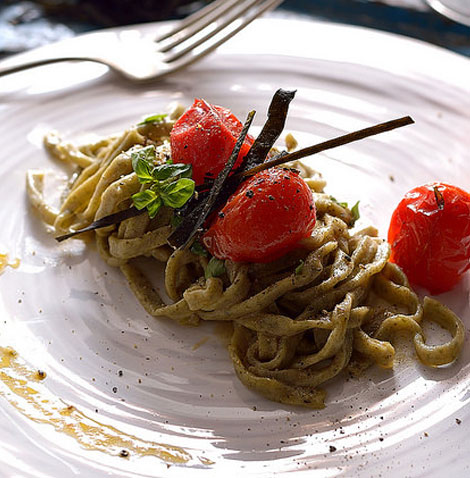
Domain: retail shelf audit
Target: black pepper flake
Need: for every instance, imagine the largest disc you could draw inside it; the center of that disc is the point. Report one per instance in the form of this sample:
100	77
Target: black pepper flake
221	215
185	146
439	198
120	373
124	454
115	389
250	193
458	421
381	439
41	374
271	198
332	448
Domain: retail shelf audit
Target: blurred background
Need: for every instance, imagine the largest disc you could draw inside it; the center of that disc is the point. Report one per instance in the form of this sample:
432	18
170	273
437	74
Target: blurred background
31	23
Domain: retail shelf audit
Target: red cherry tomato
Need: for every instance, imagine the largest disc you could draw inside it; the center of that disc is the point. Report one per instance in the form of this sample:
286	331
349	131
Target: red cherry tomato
204	136
430	236
264	219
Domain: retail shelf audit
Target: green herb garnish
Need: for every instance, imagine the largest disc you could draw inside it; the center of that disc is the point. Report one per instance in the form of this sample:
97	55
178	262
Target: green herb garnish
355	213
198	249
299	268
143	163
176	220
215	268
342	204
169	184
152	119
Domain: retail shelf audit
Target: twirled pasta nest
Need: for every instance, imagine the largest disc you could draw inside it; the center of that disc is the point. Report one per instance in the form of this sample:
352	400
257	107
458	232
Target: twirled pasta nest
292	329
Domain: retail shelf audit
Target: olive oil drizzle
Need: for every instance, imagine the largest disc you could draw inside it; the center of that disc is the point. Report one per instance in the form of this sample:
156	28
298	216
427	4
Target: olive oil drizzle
21	386
5	262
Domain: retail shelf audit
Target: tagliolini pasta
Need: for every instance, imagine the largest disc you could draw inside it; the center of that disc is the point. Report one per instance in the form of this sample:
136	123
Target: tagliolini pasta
333	304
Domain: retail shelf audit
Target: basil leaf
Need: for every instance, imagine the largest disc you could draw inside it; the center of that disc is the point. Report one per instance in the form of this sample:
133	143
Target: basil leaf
154	207
176	220
142	163
167	171
355	213
198	249
187	172
143	198
299	268
152	119
342	204
177	193
215	268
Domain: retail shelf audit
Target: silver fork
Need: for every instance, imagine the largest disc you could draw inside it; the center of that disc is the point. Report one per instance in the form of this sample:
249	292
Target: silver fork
139	57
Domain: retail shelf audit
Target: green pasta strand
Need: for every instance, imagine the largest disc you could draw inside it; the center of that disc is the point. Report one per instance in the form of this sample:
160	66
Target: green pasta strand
294	329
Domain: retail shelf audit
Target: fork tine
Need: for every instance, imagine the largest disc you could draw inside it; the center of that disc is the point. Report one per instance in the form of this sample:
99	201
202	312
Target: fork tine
261	7
188	21
198	24
189	59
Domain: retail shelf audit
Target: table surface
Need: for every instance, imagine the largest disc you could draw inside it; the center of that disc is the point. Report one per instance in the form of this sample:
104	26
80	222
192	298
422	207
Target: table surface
27	24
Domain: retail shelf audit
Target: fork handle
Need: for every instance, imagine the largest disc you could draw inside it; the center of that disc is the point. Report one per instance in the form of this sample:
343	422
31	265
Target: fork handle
52	53
8	67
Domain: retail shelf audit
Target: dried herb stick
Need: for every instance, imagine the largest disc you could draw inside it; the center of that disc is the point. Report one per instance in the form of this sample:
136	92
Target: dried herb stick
105	221
272	129
331	143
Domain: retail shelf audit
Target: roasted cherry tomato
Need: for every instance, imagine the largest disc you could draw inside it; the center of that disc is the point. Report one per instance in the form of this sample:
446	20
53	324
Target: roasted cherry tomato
204	136
264	219
430	236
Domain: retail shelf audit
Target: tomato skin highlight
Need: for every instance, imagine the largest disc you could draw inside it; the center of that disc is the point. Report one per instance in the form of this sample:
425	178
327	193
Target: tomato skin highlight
430	236
264	219
204	136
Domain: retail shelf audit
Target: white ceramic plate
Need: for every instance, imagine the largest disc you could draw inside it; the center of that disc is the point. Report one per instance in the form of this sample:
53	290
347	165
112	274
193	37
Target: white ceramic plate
67	313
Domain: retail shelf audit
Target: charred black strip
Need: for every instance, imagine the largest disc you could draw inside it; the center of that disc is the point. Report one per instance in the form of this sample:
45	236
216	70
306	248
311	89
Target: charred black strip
331	143
272	129
105	221
193	222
